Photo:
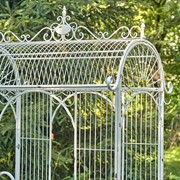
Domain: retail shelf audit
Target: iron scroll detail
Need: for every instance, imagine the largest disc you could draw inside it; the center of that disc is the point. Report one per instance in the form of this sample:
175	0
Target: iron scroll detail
64	30
168	87
109	82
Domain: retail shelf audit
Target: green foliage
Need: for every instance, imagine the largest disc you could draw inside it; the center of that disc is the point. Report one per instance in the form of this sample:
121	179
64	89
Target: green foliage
172	161
7	141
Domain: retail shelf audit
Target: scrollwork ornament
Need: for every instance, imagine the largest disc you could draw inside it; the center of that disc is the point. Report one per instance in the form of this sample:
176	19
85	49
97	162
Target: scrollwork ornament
169	87
6	37
103	35
25	37
63	30
109	82
46	35
134	34
1	37
123	30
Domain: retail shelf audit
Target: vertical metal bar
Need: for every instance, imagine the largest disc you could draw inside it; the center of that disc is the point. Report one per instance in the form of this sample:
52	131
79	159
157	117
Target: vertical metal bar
160	138
141	106
150	132
118	124
123	129
26	135
106	138
34	172
156	130
30	177
100	161
47	135
18	136
50	133
126	143
75	136
22	135
85	119
131	164
43	137
146	119
90	136
80	105
136	132
95	121
112	147
38	125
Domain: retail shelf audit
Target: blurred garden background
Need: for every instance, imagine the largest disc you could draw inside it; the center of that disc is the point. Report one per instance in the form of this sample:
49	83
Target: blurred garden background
162	20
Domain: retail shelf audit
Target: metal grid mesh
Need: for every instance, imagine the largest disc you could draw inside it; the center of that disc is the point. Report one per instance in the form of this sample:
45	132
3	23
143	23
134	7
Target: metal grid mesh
142	68
61	63
47	120
140	135
95	136
35	136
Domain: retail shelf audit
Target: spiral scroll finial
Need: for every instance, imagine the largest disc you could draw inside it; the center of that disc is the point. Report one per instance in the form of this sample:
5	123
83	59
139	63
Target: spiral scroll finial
64	15
64	11
142	29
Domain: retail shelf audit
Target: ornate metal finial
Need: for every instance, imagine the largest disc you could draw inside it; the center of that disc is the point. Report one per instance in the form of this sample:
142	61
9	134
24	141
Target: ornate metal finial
142	29
63	27
64	15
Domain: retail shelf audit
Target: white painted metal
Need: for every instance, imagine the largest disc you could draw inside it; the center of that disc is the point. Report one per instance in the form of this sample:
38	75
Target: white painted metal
117	126
8	174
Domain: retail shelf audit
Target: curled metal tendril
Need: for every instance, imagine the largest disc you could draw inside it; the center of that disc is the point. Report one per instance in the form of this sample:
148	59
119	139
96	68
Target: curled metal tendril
1	37
109	82
59	19
7	37
55	101
46	35
63	20
169	88
25	37
68	18
167	103
81	34
133	33
124	35
103	35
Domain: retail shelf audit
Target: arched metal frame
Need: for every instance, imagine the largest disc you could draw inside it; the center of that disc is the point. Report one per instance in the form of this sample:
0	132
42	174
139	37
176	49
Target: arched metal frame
73	64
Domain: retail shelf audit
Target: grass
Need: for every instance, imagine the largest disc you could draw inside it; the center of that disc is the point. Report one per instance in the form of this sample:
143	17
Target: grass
172	163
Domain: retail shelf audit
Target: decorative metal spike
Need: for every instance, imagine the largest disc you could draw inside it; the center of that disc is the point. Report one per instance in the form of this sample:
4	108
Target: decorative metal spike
64	12
142	29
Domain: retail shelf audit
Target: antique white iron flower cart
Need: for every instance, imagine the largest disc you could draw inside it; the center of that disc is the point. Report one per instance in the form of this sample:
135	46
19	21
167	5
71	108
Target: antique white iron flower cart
103	96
